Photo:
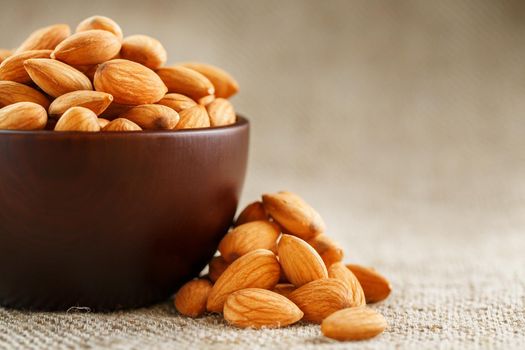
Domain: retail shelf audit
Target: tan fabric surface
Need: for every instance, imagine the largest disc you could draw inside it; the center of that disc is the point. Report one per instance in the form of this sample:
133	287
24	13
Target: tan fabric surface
402	121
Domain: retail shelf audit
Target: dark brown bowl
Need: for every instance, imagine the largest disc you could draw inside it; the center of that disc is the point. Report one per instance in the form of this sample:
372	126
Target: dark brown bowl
113	220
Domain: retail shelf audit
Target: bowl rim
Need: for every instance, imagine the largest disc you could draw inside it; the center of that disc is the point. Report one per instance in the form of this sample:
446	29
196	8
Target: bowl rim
240	123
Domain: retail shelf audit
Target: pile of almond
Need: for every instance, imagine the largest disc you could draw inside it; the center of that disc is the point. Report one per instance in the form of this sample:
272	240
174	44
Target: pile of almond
277	267
98	80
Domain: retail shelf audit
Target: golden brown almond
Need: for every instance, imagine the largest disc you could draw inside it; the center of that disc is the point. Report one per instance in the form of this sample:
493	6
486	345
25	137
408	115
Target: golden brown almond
4	53
225	85
206	100
177	102
216	267
129	82
56	78
88	70
355	323
94	100
122	124
329	250
102	23
193	117
46	38
102	122
253	212
375	286
257	308
191	297
23	116
341	272
12	92
257	269
12	68
294	214
284	289
152	117
221	112
300	262
114	110
185	81
78	119
145	50
320	298
86	48
248	237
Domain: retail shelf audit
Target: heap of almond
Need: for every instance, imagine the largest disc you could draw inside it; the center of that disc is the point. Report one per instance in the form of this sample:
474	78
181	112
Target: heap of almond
276	267
97	80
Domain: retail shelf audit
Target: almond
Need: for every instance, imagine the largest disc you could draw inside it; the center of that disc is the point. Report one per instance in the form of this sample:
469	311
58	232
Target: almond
248	237
216	267
121	124
94	100
12	68
88	70
300	262
78	119
355	323
206	100
193	117
225	85
294	214
375	286
191	297
102	122
46	38
327	248
114	110
256	308
153	117
284	289
186	81
221	112
320	298
56	78
341	272
144	50
89	47
12	92
129	82
257	269
102	23
253	212
23	116
177	102
4	53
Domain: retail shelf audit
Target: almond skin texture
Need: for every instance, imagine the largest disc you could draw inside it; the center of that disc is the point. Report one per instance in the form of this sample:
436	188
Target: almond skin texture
12	92
329	250
86	48
23	116
216	267
300	262
225	85
320	298
46	38
355	323
56	78
341	272
256	308
102	122
186	81
121	124
129	82
284	289
248	237
375	286
145	50
94	100
191	297
78	119
4	53
253	212
177	102
294	214
193	117
206	100
12	68
102	23
152	117
221	112
257	269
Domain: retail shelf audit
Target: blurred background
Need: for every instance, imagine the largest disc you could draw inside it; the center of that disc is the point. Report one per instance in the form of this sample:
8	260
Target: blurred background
401	118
